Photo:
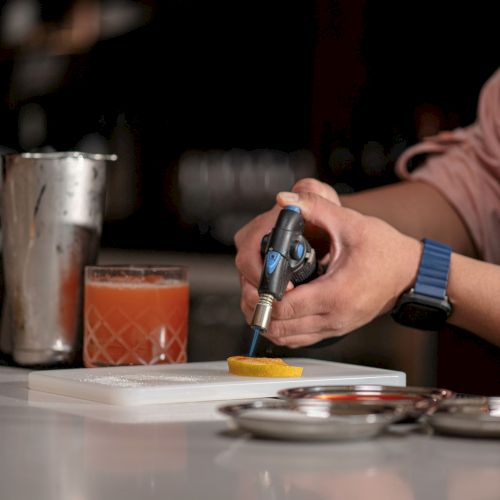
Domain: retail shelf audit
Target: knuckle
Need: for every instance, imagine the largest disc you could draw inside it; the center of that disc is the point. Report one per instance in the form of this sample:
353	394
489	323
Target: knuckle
277	332
243	302
240	238
247	296
307	184
336	323
285	310
238	260
246	310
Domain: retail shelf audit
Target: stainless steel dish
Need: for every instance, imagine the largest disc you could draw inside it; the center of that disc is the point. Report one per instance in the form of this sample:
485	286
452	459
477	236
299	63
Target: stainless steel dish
314	420
416	401
472	417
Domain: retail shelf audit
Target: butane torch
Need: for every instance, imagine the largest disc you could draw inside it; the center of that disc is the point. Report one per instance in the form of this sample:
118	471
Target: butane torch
288	256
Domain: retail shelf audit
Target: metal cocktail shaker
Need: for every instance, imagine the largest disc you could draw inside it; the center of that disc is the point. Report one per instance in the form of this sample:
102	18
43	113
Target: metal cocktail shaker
51	213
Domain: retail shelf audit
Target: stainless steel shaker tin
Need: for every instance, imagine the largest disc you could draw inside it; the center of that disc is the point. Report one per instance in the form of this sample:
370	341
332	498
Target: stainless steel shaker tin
65	186
51	211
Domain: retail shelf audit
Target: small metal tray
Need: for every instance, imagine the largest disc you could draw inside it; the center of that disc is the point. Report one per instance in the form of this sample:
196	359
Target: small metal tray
471	417
313	420
416	401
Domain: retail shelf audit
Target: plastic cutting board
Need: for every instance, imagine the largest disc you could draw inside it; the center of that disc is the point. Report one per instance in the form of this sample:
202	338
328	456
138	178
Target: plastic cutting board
188	382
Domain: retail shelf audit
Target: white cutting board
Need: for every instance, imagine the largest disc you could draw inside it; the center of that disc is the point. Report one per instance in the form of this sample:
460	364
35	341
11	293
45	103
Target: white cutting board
188	382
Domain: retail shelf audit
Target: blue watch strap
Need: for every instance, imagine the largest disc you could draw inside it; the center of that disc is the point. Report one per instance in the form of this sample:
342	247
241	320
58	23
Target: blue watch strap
432	276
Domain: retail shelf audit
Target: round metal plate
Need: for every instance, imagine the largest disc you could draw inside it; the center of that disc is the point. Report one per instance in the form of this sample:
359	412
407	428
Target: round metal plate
479	417
313	420
421	400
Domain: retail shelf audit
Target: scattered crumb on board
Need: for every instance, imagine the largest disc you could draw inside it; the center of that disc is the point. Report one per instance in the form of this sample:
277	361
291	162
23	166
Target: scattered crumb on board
143	380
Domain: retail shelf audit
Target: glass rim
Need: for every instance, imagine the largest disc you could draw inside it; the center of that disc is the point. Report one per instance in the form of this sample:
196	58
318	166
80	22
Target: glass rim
137	267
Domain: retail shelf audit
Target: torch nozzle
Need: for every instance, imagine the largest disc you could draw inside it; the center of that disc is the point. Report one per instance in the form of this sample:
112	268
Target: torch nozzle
261	319
262	313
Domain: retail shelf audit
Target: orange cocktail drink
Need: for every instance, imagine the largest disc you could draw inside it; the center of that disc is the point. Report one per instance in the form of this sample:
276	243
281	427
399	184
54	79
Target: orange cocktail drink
135	315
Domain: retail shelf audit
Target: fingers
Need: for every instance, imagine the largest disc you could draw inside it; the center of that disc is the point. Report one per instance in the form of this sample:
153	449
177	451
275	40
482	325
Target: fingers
249	264
332	219
247	240
249	298
248	260
305	300
316	209
317	187
301	332
299	340
302	318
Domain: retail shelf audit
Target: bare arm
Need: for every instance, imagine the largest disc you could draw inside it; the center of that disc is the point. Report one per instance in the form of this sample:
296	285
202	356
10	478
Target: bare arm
473	285
474	288
419	210
416	209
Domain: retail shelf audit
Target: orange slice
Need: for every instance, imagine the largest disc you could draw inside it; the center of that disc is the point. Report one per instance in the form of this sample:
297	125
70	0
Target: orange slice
262	367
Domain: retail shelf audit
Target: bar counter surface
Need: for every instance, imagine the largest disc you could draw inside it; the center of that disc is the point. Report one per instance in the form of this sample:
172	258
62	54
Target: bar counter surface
60	448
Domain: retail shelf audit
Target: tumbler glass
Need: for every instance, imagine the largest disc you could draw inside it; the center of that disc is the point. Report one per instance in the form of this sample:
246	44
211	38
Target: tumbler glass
135	315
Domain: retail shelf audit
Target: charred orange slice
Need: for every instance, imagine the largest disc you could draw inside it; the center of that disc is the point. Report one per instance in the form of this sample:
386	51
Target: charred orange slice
262	367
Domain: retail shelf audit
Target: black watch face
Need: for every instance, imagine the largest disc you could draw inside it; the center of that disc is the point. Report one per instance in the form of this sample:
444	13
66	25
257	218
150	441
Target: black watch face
420	316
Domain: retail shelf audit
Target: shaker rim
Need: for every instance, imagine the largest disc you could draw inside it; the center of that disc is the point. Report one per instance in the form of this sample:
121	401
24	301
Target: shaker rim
58	155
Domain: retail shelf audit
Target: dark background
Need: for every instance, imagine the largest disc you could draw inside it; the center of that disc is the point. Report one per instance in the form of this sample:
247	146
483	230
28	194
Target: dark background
352	83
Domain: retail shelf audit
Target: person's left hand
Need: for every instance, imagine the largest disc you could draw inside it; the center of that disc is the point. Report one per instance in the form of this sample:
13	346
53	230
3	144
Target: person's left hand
370	265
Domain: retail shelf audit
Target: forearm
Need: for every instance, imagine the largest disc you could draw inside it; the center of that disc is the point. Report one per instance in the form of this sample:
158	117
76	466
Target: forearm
473	289
416	209
419	210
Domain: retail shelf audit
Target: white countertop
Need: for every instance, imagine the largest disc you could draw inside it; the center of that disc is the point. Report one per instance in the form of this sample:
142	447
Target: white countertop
54	447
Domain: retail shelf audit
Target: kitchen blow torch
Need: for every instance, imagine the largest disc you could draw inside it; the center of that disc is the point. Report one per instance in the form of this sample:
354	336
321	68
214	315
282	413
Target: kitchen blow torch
288	256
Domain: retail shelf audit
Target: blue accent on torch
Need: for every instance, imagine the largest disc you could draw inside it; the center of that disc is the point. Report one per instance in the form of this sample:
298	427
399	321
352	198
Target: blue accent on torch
300	250
256	333
272	260
293	208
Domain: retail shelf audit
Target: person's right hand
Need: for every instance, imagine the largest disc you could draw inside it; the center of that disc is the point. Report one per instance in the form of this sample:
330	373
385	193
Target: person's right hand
247	240
370	265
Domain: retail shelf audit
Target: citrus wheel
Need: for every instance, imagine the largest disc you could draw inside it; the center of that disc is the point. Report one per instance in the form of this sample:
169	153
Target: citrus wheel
262	367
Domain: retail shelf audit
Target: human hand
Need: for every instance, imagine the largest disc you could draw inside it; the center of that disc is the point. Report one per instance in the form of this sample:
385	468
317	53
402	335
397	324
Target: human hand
248	238
370	265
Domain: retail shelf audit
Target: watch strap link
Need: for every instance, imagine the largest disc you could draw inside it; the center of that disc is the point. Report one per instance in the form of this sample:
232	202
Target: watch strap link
432	277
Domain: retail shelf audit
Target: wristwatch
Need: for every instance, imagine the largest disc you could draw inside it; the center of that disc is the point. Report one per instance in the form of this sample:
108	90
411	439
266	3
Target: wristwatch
426	305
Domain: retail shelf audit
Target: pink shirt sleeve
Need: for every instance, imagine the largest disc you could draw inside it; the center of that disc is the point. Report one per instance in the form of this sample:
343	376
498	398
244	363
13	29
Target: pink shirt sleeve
464	165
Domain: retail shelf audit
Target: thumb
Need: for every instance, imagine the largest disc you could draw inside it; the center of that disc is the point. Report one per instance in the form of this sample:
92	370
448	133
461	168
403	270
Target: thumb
315	209
311	185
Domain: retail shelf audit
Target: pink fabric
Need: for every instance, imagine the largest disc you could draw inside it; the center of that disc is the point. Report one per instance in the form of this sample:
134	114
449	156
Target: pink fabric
464	165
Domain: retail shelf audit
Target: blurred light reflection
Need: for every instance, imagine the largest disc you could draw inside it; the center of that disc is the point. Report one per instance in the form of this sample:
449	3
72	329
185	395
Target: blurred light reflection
222	190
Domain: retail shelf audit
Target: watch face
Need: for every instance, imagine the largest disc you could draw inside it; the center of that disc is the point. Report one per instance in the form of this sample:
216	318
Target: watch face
420	316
